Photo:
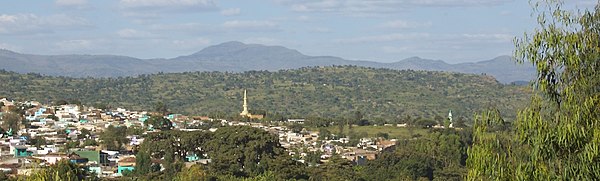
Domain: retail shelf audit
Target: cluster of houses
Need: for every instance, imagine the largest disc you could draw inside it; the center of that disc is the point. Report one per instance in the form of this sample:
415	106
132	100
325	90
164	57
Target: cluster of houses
49	131
300	144
71	132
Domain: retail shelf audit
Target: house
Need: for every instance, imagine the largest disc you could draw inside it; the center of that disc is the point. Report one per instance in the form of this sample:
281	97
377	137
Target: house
126	164
296	121
52	158
192	157
21	151
94	157
75	158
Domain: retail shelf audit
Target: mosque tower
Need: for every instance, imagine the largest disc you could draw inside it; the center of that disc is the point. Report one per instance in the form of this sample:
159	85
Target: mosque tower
245	112
450	119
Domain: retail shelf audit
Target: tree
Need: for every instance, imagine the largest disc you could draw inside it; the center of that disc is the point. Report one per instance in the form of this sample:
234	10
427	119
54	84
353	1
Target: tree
114	137
85	133
425	123
285	168
143	163
437	156
459	122
90	142
557	136
12	121
296	128
3	175
161	108
324	134
61	102
176	144
242	151
313	157
159	122
337	168
195	172
53	117
171	167
383	135
101	106
363	122
38	141
62	170
340	125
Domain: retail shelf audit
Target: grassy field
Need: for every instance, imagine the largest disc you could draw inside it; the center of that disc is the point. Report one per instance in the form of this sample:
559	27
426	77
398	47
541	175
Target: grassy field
392	131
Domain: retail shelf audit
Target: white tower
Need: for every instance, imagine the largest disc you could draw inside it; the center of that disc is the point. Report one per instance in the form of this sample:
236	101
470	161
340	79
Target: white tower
450	118
245	111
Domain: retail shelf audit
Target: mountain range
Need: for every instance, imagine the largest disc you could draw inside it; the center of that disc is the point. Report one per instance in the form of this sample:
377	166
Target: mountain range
238	57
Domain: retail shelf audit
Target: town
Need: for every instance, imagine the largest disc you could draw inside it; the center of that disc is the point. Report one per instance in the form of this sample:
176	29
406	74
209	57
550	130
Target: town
46	134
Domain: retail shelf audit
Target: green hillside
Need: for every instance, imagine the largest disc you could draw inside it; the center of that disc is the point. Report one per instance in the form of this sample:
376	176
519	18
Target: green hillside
339	91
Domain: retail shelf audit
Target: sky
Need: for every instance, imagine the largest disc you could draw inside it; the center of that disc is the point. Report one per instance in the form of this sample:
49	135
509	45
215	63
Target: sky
377	30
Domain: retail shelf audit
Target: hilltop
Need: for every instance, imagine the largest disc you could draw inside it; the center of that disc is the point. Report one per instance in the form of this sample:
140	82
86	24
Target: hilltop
238	57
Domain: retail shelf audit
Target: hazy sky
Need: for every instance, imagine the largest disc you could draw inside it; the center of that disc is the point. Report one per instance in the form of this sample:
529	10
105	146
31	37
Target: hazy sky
378	30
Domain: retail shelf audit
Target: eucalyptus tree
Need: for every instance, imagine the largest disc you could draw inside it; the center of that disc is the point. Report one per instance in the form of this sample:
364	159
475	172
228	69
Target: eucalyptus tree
557	137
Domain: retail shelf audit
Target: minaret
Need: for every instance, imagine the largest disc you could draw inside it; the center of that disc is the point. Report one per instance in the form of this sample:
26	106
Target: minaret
245	111
450	118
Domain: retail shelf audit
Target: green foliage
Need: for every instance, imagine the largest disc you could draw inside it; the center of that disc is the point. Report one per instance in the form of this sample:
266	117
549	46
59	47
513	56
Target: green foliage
490	155
242	151
246	153
557	136
71	144
38	141
53	117
11	120
85	133
296	128
283	167
161	108
159	122
195	172
90	142
383	135
3	175
176	144
114	137
392	131
62	170
337	168
328	92
438	156
143	163
324	134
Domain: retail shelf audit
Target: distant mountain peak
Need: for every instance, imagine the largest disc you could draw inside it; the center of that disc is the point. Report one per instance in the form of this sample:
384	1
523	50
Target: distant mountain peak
414	58
236	47
231	43
419	60
5	51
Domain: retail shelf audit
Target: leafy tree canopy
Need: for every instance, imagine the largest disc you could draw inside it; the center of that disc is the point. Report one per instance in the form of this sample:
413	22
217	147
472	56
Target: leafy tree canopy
557	136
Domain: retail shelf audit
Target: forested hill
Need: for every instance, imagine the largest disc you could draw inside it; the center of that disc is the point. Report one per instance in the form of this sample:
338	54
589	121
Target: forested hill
334	92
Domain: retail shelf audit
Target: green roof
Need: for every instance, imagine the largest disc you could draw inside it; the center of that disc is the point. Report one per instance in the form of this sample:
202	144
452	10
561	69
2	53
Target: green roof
90	155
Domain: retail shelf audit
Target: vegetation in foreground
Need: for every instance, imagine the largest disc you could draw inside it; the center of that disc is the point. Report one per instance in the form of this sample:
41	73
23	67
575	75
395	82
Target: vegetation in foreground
557	137
246	153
